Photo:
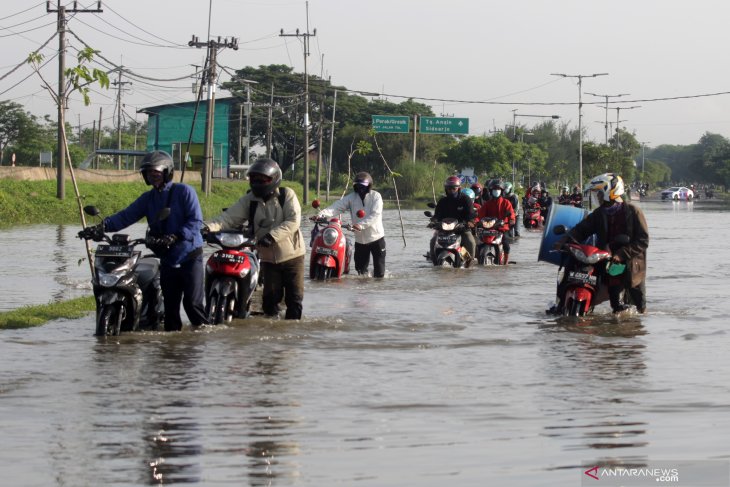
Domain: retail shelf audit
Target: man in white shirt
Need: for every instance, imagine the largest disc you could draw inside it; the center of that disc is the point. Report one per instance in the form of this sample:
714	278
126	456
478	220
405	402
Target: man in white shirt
366	210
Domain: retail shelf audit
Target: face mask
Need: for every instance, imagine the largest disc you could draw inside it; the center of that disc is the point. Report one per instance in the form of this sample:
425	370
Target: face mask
361	189
496	193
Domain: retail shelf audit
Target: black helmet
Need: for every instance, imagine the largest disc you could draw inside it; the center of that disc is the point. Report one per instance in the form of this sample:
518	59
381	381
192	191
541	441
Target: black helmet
363	179
264	186
158	161
496	184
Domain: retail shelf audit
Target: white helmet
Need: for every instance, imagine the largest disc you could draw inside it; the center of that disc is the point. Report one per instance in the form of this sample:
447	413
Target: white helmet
608	187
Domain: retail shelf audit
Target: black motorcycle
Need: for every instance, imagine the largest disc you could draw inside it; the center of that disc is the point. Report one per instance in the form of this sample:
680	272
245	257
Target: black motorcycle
126	283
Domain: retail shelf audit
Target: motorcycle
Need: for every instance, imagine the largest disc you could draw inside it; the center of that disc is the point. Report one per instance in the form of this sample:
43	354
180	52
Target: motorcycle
583	286
126	284
533	218
231	276
331	249
490	250
447	251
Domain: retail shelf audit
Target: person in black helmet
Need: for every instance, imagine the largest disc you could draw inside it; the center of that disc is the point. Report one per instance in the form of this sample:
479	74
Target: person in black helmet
176	240
369	232
274	215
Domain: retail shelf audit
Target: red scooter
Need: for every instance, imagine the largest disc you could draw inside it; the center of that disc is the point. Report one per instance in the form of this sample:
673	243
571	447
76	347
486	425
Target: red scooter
331	250
583	287
490	250
533	218
231	276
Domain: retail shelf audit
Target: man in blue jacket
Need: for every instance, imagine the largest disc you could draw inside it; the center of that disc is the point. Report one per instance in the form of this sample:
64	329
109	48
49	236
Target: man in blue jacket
176	240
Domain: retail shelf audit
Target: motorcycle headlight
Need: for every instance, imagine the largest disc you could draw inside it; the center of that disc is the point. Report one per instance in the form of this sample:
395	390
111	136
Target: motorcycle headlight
231	239
329	236
588	259
109	279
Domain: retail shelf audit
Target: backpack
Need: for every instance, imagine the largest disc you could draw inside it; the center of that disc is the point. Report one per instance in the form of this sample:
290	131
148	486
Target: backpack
254	204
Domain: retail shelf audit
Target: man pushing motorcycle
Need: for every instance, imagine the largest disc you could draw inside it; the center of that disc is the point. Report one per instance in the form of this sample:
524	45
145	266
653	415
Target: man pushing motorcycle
611	218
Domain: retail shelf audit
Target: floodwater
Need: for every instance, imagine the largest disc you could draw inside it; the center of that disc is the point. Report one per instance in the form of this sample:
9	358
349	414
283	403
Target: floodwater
429	377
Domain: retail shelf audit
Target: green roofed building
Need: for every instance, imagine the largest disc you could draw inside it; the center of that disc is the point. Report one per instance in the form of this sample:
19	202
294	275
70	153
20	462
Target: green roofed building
168	129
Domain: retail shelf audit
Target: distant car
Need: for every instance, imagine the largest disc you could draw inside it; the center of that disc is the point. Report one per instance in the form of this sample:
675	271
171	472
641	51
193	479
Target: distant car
677	193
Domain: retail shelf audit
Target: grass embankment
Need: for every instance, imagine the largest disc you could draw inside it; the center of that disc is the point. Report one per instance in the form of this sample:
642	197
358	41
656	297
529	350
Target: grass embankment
33	202
28	316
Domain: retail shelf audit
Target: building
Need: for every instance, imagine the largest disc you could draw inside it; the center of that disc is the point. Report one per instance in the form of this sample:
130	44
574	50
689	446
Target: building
169	128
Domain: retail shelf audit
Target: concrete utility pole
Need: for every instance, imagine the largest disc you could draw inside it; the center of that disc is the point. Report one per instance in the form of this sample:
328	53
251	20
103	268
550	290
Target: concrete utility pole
305	36
210	78
618	129
332	141
119	84
605	125
580	115
61	100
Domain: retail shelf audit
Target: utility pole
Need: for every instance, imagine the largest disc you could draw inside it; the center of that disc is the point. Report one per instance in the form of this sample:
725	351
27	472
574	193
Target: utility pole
119	84
270	125
580	116
643	146
332	140
61	100
210	79
606	108
618	129
305	36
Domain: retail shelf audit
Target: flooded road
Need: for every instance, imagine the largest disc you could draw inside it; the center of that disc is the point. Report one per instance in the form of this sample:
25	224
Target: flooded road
428	377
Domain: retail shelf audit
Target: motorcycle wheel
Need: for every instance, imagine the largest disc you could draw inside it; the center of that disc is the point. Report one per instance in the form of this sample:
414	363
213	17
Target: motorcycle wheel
211	307
225	310
110	321
575	308
322	273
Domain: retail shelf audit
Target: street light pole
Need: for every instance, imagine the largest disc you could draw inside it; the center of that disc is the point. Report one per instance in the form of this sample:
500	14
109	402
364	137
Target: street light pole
643	145
618	130
606	108
580	115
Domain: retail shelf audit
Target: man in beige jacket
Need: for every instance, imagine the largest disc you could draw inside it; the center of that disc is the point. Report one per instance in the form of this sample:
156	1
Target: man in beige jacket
273	215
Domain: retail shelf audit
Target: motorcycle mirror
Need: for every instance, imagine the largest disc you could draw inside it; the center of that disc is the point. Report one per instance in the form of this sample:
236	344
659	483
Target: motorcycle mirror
559	229
315	204
431	204
428	213
163	214
91	210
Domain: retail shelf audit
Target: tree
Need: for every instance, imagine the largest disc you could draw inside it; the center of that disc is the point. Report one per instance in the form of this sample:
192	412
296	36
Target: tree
13	121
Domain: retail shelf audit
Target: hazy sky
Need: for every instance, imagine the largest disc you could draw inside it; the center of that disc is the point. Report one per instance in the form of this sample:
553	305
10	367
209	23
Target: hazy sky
478	59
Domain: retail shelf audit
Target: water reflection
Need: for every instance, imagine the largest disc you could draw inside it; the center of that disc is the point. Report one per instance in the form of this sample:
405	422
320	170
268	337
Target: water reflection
270	442
174	444
597	367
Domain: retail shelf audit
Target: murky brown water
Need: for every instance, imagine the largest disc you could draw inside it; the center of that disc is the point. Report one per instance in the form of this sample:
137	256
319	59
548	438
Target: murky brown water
430	377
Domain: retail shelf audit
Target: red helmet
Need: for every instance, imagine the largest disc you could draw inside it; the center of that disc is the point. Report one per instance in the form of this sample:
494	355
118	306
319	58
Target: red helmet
477	188
452	182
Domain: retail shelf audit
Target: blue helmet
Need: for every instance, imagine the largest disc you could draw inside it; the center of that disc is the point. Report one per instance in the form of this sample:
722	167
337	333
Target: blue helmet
469	192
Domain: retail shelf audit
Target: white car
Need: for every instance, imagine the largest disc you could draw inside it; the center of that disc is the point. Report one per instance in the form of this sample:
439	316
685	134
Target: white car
677	193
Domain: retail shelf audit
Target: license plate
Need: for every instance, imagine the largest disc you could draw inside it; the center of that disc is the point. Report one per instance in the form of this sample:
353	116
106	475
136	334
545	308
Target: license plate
582	278
113	251
326	251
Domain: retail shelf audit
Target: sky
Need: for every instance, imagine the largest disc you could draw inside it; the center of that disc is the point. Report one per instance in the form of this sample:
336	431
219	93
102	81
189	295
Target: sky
493	62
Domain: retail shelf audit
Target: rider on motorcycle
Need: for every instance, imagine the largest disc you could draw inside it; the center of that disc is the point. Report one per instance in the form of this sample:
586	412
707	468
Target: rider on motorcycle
510	195
500	208
459	206
564	198
477	188
613	217
545	201
576	198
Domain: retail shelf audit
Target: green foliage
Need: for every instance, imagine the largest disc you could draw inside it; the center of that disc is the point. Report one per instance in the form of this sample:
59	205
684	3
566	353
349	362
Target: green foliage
418	180
80	76
32	202
28	316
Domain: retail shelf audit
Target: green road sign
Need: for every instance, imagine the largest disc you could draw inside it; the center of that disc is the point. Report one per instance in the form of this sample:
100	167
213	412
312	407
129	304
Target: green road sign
394	124
444	125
